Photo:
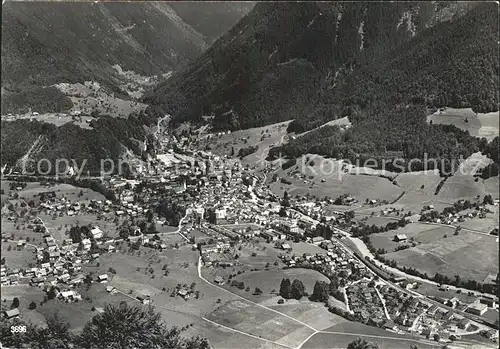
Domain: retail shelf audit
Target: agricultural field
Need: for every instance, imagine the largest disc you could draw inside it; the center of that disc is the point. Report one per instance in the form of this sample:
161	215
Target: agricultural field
471	255
18	258
93	296
374	220
57	119
144	271
299	248
79	313
377	210
313	314
255	254
245	317
459	187
329	209
473	164
478	125
491	186
59	226
342	122
16	231
224	337
485	225
416	232
26	294
431	290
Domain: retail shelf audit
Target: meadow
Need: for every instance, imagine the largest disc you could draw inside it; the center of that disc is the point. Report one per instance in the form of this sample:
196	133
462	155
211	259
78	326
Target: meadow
262	137
345	334
471	255
260	322
325	178
478	125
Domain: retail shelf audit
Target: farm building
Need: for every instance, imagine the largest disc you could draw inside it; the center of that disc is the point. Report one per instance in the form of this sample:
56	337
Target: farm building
102	278
183	293
209	249
145	299
400	237
12	313
219	280
286	247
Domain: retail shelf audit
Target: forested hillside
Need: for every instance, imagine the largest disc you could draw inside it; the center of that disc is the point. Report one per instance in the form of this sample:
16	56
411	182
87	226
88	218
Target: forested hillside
451	64
280	60
87	147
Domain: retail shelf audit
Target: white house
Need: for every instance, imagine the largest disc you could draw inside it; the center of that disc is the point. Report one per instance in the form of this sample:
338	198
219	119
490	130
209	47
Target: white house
96	233
102	278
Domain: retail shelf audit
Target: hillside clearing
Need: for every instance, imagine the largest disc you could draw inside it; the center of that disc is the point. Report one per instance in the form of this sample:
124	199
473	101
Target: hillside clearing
478	125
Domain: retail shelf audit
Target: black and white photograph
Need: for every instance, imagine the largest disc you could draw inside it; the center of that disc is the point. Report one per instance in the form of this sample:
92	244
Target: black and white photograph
249	174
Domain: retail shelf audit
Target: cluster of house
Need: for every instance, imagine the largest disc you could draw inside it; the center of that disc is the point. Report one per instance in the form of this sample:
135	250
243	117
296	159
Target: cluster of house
364	301
334	261
452	218
61	205
446	323
402	308
59	268
411	314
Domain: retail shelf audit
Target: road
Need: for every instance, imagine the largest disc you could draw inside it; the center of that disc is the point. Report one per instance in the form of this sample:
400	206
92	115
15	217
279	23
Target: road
178	231
47	232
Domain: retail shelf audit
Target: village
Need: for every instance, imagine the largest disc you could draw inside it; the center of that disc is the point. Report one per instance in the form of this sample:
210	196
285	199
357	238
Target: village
215	204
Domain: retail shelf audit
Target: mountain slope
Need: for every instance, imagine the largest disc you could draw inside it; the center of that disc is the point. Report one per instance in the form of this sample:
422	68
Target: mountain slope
107	141
46	43
212	19
274	64
451	64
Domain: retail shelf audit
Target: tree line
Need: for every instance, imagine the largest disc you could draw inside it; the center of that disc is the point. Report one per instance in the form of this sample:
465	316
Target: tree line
118	327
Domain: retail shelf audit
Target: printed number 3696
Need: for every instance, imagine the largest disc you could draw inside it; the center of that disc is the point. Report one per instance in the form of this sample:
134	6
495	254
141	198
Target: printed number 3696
18	329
